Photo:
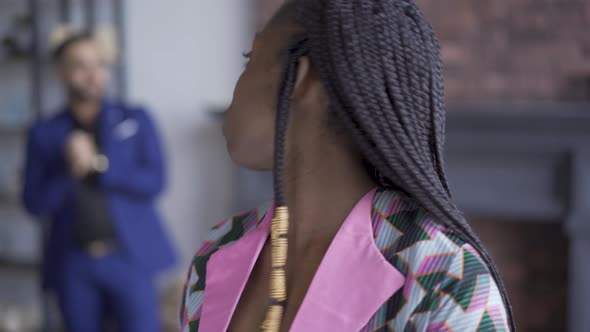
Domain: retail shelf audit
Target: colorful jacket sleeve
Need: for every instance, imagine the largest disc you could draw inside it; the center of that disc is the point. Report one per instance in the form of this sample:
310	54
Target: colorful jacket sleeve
468	301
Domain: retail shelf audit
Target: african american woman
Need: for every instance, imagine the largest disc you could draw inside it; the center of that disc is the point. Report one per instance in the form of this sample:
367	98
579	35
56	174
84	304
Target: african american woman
343	100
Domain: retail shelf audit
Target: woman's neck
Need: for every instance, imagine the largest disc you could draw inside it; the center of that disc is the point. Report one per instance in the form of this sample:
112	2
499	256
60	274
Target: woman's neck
321	188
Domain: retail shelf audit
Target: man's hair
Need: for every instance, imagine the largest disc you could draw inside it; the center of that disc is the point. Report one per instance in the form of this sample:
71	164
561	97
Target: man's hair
61	49
381	65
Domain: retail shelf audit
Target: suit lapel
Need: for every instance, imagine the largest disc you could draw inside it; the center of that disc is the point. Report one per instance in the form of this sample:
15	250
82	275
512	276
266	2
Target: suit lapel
352	281
228	271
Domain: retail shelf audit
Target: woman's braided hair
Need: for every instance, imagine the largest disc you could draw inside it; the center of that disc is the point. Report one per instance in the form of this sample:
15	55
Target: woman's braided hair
380	63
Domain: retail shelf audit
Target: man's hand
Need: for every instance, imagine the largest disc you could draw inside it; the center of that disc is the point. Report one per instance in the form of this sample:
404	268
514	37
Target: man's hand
80	152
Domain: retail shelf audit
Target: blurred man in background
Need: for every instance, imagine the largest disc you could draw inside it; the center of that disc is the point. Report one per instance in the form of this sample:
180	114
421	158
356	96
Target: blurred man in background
94	171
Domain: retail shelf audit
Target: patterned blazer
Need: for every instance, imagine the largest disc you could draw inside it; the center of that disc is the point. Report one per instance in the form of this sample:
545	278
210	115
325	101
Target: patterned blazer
390	267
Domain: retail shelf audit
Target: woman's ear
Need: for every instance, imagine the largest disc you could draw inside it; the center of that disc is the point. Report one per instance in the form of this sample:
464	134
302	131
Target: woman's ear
308	89
304	74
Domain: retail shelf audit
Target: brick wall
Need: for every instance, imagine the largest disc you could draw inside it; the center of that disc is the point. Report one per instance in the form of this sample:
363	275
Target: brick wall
507	49
513	49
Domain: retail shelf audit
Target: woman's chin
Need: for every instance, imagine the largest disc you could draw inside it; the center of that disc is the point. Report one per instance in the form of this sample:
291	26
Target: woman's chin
247	160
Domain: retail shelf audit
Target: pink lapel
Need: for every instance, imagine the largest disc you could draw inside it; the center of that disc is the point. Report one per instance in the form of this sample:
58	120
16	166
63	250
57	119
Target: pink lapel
352	281
227	274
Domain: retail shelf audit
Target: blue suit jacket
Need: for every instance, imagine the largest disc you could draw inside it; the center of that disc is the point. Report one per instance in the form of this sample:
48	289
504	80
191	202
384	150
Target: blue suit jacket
136	176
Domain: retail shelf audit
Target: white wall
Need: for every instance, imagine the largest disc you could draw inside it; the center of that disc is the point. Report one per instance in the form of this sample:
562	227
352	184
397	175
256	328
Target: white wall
183	58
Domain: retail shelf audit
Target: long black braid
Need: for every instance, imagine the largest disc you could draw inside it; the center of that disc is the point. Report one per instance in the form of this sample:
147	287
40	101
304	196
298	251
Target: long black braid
296	49
380	63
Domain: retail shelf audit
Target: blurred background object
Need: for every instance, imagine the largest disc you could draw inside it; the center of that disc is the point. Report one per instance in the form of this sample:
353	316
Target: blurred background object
518	90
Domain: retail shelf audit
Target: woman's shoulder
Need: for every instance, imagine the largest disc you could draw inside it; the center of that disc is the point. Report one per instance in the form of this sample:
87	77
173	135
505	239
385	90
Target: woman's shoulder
447	282
419	245
400	223
223	234
233	228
